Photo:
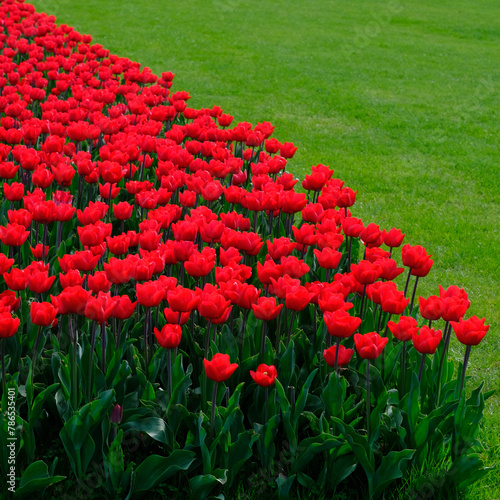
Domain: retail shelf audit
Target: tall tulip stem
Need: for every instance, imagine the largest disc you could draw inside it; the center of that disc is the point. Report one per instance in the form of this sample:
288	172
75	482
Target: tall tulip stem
212	417
368	396
464	368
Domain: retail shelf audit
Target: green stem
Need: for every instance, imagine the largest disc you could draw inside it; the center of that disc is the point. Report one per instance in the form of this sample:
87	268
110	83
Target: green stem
212	417
169	371
35	347
464	368
368	398
337	345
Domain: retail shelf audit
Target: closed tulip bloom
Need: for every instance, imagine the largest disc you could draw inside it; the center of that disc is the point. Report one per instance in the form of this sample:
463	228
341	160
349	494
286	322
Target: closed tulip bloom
297	298
8	298
365	272
119	271
71	300
212	305
404	329
423	270
340	323
470	331
42	313
431	308
99	308
182	299
390	269
393	238
169	337
72	277
14	191
344	357
372	235
98	282
123	308
415	256
426	340
220	368
328	258
352	226
40	281
332	301
17	279
8	325
123	210
370	345
172	316
13	235
266	308
393	301
5	263
149	294
265	375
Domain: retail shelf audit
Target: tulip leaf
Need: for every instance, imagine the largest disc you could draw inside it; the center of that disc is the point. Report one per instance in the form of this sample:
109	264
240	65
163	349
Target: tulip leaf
333	396
310	447
302	398
240	451
154	427
35	478
155	469
201	486
391	468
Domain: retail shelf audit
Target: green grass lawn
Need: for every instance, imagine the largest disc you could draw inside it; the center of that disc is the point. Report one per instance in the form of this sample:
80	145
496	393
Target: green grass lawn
400	98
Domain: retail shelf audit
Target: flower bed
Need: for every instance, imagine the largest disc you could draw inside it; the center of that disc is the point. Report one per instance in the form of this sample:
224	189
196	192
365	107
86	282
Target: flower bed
206	323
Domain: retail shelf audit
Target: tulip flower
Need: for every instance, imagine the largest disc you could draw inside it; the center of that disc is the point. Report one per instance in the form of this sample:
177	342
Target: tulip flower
469	332
337	356
219	369
426	341
8	327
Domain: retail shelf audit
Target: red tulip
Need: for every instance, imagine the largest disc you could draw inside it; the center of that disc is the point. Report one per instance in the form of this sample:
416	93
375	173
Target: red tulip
13	235
392	301
8	325
344	357
426	340
266	308
219	369
265	375
365	272
42	313
149	294
393	238
340	323
182	299
404	329
297	298
370	345
71	300
470	331
431	308
16	280
169	337
415	256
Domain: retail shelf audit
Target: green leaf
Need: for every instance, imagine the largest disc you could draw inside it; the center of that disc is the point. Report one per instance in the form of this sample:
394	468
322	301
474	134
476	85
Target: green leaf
154	427
284	484
37	407
201	486
301	400
240	451
360	447
35	478
391	468
287	365
311	447
156	469
333	396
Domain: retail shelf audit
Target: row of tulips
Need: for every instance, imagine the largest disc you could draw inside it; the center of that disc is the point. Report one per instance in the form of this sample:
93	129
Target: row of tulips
130	218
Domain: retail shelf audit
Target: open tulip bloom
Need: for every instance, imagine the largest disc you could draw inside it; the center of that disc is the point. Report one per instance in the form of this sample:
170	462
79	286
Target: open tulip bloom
149	219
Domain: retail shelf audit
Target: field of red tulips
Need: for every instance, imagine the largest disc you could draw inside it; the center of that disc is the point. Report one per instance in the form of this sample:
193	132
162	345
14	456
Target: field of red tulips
180	315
